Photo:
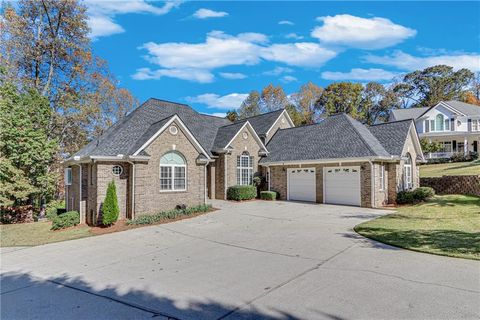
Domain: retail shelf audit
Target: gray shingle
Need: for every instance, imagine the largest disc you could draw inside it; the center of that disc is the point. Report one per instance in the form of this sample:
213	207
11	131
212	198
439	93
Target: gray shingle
225	134
407	113
466	108
336	137
392	135
263	122
132	130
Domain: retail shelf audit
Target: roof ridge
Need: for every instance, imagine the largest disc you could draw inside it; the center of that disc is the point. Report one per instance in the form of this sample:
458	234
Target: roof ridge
262	114
168	101
389	122
231	124
354	126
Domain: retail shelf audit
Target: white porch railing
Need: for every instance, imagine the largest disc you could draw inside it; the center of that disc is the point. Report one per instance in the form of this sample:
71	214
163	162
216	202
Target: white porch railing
444	154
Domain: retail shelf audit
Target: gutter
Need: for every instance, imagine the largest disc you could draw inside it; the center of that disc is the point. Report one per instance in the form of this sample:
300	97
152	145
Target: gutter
335	160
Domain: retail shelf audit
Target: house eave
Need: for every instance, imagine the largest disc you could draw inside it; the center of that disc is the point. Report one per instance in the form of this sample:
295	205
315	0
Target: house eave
120	157
332	160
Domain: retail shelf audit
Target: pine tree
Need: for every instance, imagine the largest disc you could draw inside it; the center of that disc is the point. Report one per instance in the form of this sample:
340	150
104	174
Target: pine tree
110	206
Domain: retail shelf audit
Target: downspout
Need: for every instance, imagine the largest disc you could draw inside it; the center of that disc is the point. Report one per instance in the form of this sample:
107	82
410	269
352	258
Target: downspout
269	177
205	185
225	176
133	189
372	183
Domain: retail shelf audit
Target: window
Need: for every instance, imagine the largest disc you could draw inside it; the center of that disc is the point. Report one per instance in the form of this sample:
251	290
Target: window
475	125
117	170
173	172
381	177
447	125
439	121
68	176
446	146
244	169
408	172
432	125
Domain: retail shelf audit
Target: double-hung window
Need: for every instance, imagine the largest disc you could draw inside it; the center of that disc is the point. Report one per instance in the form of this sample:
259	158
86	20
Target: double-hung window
173	172
408	172
244	169
475	125
68	176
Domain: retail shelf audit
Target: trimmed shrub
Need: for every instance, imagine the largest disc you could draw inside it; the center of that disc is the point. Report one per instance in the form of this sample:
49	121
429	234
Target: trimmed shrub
66	220
423	193
51	213
405	197
110	208
240	193
268	195
170	215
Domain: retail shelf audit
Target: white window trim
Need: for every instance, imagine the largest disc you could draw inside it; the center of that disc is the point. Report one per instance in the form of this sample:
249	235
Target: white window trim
381	177
477	121
241	167
68	176
121	170
172	178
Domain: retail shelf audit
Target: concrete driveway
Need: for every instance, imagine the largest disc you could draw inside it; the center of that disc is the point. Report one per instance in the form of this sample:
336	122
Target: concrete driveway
279	260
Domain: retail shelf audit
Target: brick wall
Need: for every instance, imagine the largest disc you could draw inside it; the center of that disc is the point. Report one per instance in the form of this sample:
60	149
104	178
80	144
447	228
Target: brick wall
148	197
469	185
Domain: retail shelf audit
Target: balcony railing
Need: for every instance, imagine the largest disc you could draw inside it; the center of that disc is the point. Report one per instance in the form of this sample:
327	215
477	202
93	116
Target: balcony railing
442	154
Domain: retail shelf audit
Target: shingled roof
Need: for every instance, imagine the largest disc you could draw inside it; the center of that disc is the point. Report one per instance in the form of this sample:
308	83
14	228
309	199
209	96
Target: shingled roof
414	113
392	135
338	136
263	122
130	133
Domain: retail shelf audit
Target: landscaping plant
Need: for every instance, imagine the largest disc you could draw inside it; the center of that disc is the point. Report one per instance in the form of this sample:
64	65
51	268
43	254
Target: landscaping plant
268	195
110	208
66	220
239	193
170	215
418	195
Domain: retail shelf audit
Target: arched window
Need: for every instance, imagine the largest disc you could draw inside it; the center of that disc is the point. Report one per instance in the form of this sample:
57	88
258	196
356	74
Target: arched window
173	172
407	172
439	122
244	169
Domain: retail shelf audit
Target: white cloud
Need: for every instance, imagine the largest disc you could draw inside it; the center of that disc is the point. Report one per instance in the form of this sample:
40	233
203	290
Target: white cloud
101	14
360	75
217	114
356	32
233	75
304	54
207	13
196	75
286	22
278	71
226	102
405	61
293	35
221	50
287	79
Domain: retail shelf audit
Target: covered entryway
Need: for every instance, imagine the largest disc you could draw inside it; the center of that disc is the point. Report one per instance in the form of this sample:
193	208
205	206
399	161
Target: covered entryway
301	184
342	185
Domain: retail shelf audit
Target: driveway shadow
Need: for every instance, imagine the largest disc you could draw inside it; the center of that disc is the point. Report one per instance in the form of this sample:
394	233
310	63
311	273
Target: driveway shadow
26	297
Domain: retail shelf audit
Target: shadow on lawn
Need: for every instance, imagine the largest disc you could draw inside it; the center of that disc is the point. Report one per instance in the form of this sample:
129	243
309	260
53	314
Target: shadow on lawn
450	242
27	297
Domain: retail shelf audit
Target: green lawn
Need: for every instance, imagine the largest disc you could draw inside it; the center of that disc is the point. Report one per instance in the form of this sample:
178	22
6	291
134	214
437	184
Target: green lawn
445	169
37	233
445	225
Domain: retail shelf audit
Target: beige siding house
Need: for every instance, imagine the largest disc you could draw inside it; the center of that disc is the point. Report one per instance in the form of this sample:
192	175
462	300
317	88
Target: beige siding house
166	154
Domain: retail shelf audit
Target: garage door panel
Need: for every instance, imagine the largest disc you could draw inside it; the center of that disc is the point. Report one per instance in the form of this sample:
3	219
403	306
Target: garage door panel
342	185
301	184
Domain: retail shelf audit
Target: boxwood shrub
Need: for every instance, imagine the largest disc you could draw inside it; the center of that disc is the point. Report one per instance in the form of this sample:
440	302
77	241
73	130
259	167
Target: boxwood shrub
418	195
240	193
68	219
170	215
268	195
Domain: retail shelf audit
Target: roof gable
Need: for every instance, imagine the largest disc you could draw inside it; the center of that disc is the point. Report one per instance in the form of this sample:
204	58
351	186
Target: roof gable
227	134
263	122
336	137
392	135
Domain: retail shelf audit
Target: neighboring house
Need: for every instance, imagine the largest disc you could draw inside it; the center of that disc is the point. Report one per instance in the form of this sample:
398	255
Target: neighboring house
453	124
164	154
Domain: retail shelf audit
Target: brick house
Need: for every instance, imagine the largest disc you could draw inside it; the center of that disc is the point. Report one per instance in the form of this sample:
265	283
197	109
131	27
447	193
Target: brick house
164	154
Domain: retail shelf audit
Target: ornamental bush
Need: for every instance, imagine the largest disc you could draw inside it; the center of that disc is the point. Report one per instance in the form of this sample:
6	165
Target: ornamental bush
268	195
239	193
68	219
423	193
405	197
110	208
170	215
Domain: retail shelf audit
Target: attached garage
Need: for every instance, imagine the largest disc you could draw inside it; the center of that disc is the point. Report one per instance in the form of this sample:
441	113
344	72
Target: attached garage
301	184
342	185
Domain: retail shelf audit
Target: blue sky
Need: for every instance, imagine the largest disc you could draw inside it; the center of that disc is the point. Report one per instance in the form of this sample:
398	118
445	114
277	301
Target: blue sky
211	54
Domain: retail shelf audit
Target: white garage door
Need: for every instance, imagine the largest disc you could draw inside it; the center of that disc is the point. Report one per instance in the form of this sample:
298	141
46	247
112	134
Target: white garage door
301	184
342	185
